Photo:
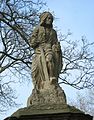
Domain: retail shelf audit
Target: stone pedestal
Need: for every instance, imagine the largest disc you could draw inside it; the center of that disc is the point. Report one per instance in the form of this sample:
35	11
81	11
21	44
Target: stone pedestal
49	112
55	116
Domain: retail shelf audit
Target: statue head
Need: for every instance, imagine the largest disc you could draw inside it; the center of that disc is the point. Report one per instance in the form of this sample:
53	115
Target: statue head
46	19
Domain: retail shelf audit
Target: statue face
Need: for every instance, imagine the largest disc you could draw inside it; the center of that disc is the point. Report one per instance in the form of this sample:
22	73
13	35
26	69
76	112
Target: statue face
46	18
49	20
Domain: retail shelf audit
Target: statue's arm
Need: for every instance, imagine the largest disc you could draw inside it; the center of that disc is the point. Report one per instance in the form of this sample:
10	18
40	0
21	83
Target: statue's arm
55	38
58	53
34	38
56	43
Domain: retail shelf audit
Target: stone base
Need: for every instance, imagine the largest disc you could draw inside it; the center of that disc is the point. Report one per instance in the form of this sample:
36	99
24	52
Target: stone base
55	116
49	112
51	93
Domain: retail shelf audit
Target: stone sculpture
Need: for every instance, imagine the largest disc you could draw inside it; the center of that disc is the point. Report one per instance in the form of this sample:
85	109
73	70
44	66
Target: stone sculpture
48	100
46	63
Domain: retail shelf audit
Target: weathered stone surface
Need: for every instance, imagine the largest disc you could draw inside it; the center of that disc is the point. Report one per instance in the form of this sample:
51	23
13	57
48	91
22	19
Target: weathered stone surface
55	116
52	94
46	109
46	64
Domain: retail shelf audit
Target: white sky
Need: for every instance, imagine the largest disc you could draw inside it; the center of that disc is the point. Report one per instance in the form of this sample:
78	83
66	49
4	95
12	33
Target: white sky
76	15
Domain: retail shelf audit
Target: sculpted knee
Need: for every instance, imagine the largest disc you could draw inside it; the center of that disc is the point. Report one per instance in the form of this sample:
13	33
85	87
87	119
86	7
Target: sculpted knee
49	58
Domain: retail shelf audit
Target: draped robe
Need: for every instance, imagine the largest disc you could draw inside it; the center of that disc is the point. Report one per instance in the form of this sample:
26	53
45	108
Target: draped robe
44	42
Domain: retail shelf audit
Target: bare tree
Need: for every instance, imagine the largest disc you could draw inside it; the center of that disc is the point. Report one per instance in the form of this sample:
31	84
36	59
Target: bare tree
17	19
78	60
85	102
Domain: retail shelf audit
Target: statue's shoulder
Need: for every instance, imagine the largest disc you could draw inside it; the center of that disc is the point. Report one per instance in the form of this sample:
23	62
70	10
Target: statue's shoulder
38	28
35	29
41	28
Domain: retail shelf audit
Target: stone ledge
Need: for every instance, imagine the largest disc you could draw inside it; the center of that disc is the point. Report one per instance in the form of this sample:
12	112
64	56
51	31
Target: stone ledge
46	109
55	116
49	112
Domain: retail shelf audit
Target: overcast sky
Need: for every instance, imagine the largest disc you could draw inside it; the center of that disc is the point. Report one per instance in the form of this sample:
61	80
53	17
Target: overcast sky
76	15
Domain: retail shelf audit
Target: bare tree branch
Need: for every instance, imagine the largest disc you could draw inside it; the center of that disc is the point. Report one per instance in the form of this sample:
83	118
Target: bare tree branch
17	19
